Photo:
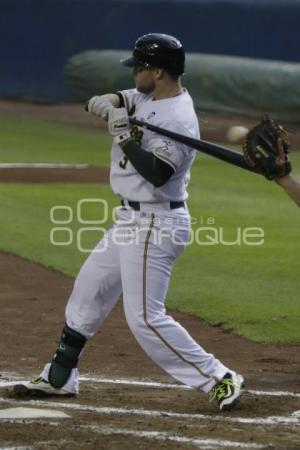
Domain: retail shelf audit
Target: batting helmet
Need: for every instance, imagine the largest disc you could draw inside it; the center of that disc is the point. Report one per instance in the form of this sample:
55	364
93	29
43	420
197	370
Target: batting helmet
158	50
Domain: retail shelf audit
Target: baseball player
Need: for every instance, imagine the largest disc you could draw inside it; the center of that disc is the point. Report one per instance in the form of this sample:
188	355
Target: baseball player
136	256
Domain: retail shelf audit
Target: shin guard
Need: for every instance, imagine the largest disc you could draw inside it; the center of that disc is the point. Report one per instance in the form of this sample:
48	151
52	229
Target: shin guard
66	357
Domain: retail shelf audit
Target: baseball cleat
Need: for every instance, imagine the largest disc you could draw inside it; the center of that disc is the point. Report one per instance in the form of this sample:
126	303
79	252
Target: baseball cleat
227	391
38	387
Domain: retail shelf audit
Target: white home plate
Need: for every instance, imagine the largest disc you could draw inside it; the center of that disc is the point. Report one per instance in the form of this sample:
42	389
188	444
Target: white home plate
31	413
16	448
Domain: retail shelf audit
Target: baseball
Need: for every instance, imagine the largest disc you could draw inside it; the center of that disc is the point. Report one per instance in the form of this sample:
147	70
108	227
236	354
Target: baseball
236	133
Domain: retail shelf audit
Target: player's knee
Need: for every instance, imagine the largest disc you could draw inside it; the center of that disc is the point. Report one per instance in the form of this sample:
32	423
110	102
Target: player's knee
139	322
135	320
157	320
66	356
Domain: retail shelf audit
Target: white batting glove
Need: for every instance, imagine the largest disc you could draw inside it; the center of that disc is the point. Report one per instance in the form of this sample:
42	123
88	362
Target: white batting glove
99	106
118	121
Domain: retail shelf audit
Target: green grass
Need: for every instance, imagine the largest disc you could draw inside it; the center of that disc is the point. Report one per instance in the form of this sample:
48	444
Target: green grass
252	290
35	141
22	235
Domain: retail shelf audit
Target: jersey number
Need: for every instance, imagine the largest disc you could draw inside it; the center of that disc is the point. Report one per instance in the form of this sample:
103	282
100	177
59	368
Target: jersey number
123	162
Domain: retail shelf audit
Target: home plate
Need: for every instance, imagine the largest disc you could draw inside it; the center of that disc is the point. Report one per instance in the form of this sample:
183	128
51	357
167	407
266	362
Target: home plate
31	413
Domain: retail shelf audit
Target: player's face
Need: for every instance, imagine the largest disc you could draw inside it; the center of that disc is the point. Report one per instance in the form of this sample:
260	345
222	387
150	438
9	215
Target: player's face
144	79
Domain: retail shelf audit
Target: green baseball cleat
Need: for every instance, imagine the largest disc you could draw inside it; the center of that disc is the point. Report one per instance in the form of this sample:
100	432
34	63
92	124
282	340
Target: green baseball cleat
227	391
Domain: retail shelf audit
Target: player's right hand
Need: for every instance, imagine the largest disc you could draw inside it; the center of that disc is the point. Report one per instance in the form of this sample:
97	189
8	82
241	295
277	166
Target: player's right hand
118	121
99	106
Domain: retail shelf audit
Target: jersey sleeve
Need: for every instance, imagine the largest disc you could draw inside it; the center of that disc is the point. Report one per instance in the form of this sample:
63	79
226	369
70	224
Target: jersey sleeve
130	99
168	150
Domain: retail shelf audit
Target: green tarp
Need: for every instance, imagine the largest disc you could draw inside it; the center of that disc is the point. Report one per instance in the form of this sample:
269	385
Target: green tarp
217	83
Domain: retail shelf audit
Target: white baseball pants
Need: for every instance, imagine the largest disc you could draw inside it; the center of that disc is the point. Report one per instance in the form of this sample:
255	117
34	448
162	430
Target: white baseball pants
135	259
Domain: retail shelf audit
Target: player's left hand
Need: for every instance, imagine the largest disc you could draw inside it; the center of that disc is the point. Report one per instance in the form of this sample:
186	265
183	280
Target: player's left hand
118	121
99	106
266	149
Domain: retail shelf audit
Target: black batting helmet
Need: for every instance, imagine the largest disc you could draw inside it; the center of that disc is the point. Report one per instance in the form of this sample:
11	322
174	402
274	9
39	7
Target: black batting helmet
158	50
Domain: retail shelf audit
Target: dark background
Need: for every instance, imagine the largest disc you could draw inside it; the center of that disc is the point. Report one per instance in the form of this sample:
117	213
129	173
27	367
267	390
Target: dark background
38	36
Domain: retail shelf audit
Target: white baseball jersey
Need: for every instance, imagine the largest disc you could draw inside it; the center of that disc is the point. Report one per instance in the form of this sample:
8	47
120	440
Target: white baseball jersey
175	114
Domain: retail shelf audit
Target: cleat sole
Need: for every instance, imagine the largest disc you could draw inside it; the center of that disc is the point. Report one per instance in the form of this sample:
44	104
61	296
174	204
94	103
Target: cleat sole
21	390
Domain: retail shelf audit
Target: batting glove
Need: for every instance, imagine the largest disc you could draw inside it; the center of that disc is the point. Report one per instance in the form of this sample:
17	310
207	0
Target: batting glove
118	125
118	121
99	106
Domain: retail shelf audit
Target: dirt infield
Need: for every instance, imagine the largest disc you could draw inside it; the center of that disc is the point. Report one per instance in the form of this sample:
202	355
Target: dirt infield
54	175
109	415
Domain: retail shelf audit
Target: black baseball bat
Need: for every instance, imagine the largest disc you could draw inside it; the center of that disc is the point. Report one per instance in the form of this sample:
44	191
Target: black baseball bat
215	150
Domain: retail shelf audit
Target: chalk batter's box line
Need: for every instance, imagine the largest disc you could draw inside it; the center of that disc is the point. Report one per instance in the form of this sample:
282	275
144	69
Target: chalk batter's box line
270	420
13	379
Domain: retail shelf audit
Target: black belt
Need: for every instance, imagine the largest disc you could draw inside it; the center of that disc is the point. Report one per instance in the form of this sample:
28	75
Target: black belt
137	206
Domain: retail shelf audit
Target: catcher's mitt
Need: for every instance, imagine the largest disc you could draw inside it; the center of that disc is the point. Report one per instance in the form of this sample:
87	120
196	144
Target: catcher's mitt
266	148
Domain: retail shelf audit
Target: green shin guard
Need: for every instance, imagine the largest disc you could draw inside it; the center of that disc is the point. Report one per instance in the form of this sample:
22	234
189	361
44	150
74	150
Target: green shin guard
66	357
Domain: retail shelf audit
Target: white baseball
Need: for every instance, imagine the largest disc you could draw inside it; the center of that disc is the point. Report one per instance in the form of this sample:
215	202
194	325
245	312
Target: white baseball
236	133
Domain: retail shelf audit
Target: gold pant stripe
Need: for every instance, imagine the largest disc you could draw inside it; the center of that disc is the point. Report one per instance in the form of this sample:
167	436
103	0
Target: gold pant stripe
145	303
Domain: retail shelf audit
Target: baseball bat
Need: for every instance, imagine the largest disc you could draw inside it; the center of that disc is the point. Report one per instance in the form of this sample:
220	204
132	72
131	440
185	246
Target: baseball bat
215	150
